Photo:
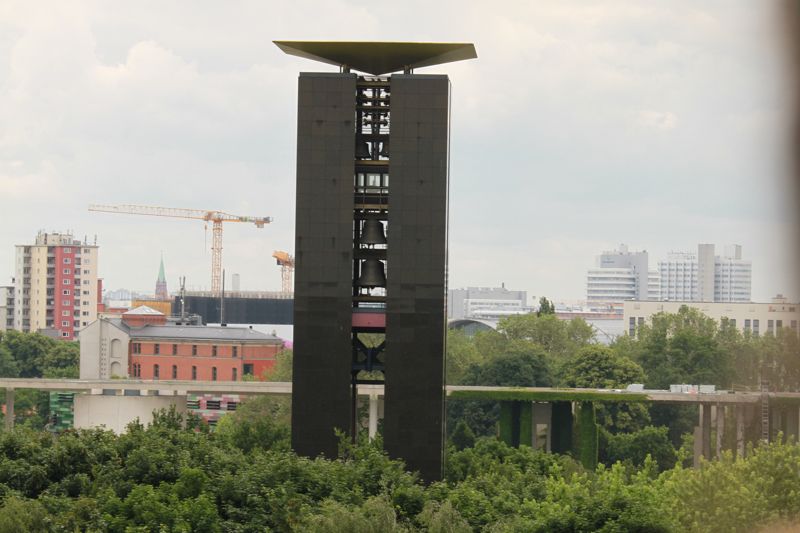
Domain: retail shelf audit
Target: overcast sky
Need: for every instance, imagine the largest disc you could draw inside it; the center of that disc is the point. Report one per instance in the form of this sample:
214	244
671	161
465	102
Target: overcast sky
581	125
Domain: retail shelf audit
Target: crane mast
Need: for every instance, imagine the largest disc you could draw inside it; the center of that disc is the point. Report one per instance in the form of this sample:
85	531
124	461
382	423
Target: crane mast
286	262
215	217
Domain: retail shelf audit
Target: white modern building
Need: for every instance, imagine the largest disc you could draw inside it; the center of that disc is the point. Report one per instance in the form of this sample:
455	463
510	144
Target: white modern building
489	303
706	277
748	317
621	275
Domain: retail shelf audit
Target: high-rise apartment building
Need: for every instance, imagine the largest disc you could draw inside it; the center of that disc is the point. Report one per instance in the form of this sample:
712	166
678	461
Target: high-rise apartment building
706	277
621	275
56	285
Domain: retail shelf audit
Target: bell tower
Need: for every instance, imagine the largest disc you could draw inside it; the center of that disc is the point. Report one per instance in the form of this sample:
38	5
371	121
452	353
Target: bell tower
371	244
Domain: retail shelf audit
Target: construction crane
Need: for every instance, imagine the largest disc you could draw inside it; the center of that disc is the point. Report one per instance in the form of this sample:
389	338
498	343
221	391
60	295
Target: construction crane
286	262
215	217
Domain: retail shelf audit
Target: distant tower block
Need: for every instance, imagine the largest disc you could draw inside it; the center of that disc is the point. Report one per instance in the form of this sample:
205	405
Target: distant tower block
161	283
370	253
235	283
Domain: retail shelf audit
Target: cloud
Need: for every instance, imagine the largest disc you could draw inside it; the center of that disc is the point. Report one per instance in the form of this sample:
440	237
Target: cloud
659	120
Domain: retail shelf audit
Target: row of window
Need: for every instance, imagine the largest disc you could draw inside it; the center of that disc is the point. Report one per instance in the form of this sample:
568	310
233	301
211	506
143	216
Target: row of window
137	349
137	372
68	281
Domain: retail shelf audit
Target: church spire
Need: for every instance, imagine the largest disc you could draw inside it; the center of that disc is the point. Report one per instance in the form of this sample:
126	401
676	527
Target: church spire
161	283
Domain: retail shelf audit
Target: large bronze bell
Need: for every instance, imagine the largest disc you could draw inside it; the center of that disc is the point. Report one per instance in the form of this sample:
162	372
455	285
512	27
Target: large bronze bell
362	150
372	232
384	149
372	274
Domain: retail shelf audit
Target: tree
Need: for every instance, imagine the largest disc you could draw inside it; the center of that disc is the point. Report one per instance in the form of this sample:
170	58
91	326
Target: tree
461	354
682	348
546	307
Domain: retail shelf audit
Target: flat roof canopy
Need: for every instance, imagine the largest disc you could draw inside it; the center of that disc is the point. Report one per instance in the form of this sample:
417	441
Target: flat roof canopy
379	57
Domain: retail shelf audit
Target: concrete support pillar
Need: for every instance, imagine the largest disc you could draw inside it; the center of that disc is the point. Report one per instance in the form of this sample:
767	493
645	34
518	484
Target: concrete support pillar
698	446
515	422
793	423
740	431
9	409
373	416
720	430
705	424
561	427
586	435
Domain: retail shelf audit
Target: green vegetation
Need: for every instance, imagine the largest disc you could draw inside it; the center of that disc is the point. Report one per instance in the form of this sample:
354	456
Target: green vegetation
244	478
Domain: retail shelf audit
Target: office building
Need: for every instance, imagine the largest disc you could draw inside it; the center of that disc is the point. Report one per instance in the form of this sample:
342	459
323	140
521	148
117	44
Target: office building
706	277
487	303
748	317
56	286
621	275
6	307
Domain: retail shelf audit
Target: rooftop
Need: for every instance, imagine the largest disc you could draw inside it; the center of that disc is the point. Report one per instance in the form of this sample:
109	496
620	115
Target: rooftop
201	333
379	57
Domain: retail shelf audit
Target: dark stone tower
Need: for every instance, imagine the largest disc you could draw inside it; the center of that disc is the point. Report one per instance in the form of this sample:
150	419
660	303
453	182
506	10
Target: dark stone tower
371	253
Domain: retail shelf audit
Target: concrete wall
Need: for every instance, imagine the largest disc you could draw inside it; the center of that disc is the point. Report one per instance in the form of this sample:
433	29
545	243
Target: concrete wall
104	347
116	412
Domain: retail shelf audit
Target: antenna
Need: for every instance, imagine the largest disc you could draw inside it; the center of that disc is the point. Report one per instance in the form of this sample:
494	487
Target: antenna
182	280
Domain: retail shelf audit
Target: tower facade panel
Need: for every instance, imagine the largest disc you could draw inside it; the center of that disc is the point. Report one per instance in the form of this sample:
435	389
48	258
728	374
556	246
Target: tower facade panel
324	262
417	271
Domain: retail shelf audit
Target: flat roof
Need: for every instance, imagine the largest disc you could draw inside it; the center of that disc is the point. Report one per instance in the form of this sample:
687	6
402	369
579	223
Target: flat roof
379	57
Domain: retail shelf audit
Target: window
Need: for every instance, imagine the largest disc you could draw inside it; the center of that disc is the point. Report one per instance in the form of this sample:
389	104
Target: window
137	370
85	271
85	313
755	327
632	326
174	349
213	351
156	349
137	347
778	324
85	302
64	323
86	282
67	281
747	324
155	371
247	369
213	373
67	261
65	313
67	250
235	352
65	334
194	372
66	302
233	374
67	271
194	349
65	292
770	326
86	250
174	371
85	293
733	323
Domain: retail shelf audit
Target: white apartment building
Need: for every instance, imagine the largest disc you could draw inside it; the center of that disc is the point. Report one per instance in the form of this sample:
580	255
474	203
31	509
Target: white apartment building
56	285
6	308
748	317
621	275
706	277
488	303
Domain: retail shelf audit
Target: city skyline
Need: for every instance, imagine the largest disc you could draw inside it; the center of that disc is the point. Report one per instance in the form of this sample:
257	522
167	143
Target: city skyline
660	127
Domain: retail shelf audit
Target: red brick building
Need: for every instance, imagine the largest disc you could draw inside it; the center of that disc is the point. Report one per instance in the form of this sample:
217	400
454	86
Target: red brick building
147	347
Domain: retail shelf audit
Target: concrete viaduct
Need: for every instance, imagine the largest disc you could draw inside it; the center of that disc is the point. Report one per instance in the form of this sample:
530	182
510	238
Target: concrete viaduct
553	419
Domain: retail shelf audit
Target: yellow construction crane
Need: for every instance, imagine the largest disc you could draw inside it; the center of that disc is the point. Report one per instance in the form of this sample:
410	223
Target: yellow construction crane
286	262
215	217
